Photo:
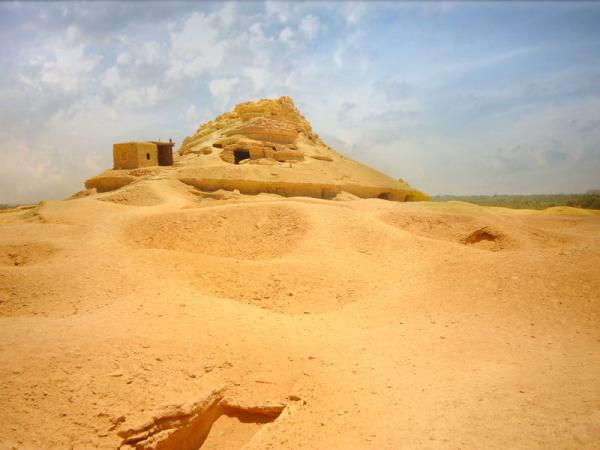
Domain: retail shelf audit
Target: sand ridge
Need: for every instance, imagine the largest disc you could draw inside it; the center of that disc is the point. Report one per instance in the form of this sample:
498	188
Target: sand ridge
246	232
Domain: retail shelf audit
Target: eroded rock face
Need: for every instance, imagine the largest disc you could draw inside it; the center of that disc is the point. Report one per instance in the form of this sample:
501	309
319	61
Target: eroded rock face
281	109
235	150
262	123
267	129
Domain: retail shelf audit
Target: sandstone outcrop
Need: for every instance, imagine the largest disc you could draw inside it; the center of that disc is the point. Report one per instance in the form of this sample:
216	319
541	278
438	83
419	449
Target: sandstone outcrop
267	129
268	146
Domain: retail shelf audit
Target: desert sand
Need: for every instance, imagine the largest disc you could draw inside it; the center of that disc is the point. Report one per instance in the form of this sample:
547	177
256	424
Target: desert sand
161	316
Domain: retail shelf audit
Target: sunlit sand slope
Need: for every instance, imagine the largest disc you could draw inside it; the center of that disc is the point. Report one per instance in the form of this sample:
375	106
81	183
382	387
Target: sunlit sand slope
158	316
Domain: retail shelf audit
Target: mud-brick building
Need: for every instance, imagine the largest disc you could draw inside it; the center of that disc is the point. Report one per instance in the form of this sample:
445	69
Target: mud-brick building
131	155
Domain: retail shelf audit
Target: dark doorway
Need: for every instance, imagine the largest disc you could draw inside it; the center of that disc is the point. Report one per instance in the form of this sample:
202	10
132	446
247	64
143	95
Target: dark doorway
165	154
240	155
148	156
385	196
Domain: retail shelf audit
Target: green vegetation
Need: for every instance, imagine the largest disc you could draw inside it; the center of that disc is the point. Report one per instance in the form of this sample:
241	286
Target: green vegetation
589	200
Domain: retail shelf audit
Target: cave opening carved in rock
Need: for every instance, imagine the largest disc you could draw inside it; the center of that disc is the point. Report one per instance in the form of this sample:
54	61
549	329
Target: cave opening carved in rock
240	155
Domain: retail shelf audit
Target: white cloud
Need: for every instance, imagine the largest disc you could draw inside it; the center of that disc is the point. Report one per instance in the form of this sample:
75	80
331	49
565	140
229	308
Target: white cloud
260	77
63	62
133	85
363	66
26	173
227	15
256	30
111	78
353	12
137	78
149	53
286	35
349	46
222	87
191	114
123	58
310	26
72	33
338	55
53	162
278	9
197	47
138	96
68	68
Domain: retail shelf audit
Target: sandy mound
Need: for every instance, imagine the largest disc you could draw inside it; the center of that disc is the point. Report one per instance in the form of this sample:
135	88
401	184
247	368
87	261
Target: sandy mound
286	287
138	194
463	229
493	230
25	254
245	232
485	238
452	228
570	211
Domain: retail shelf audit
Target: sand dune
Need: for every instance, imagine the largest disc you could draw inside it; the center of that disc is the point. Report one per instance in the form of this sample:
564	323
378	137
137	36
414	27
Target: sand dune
154	317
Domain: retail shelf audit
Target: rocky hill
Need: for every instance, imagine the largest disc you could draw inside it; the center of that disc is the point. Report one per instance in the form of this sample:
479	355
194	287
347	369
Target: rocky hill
267	146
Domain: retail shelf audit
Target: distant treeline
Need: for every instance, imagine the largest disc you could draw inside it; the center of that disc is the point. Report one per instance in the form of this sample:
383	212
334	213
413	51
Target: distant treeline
589	200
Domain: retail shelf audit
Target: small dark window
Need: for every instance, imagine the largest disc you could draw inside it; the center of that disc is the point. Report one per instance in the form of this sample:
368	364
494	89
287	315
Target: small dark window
240	155
148	156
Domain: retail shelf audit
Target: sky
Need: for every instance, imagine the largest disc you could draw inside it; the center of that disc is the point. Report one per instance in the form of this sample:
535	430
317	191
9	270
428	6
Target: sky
455	98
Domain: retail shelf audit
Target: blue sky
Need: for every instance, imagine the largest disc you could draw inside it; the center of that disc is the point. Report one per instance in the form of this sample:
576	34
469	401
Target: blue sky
455	98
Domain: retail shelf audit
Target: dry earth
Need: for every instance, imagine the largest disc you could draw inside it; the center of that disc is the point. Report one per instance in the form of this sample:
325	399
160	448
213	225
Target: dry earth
153	317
